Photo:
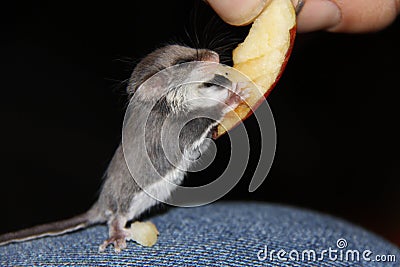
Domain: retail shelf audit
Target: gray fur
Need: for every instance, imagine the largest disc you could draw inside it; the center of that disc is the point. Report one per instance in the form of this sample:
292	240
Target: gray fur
151	152
162	58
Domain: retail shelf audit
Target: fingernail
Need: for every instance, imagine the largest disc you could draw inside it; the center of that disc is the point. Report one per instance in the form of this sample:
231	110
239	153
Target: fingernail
318	15
250	10
238	12
298	5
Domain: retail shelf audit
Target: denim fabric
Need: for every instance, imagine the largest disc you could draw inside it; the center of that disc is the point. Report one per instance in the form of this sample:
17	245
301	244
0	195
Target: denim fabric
220	234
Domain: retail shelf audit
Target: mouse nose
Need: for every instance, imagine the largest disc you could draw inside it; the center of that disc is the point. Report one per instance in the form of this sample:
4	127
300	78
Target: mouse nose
210	56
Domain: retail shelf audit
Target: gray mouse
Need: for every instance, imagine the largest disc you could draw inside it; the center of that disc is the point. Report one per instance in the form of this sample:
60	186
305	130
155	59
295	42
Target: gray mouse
122	199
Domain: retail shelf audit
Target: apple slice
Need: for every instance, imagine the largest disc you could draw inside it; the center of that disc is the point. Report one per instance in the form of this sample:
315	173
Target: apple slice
262	57
144	233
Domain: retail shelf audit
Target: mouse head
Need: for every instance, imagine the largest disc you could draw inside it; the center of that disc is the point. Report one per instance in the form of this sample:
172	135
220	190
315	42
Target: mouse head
165	57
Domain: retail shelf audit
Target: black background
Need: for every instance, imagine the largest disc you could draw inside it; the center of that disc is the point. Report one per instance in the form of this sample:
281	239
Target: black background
63	67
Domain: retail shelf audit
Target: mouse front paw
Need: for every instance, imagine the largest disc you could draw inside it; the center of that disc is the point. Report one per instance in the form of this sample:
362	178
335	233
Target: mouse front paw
237	95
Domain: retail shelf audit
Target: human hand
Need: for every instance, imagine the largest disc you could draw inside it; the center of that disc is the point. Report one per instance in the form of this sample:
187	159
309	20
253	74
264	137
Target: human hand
354	16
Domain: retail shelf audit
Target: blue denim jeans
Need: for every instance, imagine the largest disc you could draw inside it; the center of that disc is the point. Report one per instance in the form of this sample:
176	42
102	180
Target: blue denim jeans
220	234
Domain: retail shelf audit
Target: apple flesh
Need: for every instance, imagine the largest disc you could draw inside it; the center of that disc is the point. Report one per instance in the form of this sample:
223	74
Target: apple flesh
262	57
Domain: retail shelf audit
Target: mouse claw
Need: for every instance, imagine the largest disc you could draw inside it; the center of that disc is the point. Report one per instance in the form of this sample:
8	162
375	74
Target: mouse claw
119	243
245	93
103	247
234	97
241	89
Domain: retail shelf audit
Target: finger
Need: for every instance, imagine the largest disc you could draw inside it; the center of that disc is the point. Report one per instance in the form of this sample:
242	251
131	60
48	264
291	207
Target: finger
318	15
366	15
347	16
238	12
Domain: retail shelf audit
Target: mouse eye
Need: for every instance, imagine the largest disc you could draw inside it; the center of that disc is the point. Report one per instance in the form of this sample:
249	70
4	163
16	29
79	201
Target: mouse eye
180	61
207	85
218	81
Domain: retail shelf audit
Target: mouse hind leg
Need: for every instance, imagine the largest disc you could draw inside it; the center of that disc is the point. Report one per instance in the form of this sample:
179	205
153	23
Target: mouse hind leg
117	233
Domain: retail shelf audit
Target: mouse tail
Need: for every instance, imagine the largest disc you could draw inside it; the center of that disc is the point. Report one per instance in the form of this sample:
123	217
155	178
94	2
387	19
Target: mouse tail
83	220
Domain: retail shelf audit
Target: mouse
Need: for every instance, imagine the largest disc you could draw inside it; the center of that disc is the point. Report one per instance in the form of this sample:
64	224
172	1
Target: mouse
193	108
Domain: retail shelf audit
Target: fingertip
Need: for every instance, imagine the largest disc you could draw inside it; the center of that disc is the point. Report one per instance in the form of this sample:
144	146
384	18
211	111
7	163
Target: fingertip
238	12
318	15
356	16
360	16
